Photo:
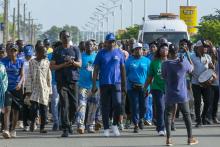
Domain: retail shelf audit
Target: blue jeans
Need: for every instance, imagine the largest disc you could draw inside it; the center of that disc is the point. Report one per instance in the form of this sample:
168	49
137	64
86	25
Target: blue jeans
149	111
138	108
160	108
55	104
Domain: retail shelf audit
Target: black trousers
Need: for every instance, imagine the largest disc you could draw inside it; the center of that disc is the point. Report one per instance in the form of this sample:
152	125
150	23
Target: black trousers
199	93
214	99
68	103
35	106
184	108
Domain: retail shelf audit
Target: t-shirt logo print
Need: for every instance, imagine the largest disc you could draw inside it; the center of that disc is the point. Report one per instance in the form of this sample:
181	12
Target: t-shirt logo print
116	58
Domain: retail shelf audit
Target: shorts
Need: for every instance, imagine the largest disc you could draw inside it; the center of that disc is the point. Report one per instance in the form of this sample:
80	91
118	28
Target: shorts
14	99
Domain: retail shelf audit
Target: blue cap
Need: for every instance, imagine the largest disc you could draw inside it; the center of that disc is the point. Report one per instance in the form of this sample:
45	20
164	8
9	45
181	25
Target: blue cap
146	46
110	37
28	50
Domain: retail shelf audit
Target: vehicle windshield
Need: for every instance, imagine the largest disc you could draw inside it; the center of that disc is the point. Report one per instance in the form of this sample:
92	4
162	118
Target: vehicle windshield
173	37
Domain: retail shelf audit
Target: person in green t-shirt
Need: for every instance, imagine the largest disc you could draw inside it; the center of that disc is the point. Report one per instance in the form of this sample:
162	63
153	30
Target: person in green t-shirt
157	84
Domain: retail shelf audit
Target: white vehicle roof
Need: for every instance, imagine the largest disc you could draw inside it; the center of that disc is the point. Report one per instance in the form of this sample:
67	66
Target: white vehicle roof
165	25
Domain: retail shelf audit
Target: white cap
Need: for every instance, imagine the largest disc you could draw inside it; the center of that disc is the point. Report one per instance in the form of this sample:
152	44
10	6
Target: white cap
137	45
199	43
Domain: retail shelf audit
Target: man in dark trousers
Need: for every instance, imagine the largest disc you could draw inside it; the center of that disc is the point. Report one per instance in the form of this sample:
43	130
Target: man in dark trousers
66	61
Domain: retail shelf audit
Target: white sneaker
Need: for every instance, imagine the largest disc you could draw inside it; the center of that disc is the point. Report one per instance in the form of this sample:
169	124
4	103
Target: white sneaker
26	128
161	133
106	133
20	124
35	126
6	134
115	130
13	134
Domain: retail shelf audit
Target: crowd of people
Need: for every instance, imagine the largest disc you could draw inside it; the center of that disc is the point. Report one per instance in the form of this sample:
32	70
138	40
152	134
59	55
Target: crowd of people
115	84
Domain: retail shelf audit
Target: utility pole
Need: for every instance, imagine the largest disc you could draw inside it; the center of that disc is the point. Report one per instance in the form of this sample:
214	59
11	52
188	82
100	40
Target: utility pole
29	27
18	19
167	6
5	31
188	2
132	13
13	27
24	23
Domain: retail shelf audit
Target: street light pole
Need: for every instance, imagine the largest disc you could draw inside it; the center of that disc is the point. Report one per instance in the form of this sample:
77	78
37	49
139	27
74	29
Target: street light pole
132	13
188	3
145	10
121	8
167	6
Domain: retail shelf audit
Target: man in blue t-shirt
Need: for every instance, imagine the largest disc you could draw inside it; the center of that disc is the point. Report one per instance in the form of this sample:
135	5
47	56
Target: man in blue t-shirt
14	93
66	61
109	64
174	73
87	101
137	68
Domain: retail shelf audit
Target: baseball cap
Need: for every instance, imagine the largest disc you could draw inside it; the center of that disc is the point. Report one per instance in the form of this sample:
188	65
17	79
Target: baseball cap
137	45
201	43
28	50
110	37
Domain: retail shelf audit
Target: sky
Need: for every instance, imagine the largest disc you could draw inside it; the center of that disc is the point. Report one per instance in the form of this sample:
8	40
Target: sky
77	12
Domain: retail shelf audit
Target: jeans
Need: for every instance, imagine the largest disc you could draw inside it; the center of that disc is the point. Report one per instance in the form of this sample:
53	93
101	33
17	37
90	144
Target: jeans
149	108
214	99
184	108
110	101
68	102
159	106
138	108
90	102
199	93
35	106
55	105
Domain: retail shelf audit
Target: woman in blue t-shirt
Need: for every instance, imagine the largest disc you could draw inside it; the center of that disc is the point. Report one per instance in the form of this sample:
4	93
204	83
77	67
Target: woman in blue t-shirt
14	93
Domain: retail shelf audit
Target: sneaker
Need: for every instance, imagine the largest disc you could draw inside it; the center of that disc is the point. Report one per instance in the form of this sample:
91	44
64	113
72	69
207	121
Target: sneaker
91	130
141	125
161	133
43	131
71	129
98	126
26	129
20	124
216	121
121	127
55	127
136	129
106	133
192	141
115	130
173	128
198	125
81	130
65	133
169	142
6	134
13	134
147	123
127	124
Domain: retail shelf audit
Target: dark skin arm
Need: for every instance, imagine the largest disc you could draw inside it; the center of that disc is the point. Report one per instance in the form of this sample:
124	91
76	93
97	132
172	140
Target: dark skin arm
18	87
94	78
54	66
123	78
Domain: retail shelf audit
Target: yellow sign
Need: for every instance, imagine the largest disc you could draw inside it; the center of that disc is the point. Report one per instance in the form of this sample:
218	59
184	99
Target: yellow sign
190	15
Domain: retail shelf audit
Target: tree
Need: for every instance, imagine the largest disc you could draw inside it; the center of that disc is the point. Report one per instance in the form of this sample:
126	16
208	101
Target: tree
209	28
53	33
131	32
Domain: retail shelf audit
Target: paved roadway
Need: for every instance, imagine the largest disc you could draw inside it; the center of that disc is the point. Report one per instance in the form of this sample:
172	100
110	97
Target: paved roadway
208	136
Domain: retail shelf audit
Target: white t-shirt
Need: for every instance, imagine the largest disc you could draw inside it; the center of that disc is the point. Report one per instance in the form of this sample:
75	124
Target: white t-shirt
200	65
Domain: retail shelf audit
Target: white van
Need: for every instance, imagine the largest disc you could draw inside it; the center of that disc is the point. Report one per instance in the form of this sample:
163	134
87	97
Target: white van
171	28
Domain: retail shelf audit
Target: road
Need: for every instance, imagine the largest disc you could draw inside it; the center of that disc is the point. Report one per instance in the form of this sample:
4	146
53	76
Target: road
208	136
